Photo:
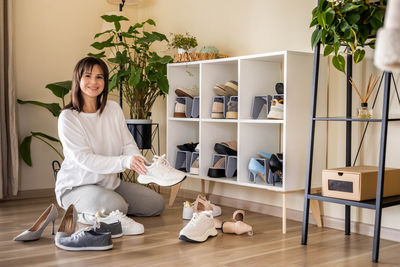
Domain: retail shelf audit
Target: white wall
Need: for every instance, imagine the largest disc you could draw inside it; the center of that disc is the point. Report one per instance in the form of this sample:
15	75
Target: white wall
50	36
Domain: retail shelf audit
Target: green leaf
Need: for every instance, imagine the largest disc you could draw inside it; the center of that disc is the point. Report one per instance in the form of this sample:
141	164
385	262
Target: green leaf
328	49
101	33
322	20
349	7
316	36
151	22
54	108
163	84
25	150
330	16
314	22
113	18
117	26
353	18
60	89
127	35
339	62
99	55
46	136
135	76
344	25
358	55
102	45
375	23
113	82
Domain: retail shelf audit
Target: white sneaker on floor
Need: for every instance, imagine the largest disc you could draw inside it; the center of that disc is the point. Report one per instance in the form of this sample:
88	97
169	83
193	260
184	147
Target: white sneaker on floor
129	226
162	173
187	212
200	227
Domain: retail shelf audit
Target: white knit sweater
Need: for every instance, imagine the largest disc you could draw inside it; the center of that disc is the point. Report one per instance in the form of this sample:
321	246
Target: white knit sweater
96	148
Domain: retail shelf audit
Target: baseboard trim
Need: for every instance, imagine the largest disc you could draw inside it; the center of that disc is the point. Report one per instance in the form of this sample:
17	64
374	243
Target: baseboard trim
295	215
36	193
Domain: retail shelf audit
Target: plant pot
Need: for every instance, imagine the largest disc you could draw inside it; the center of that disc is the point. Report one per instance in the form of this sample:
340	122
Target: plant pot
183	51
141	131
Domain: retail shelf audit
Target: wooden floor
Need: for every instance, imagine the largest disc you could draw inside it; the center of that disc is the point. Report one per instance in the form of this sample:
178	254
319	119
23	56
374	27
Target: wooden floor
160	246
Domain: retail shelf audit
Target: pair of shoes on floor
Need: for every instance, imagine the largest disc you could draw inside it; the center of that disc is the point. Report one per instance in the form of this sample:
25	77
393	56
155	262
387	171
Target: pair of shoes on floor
187	92
191	147
230	88
235	226
189	208
160	172
201	225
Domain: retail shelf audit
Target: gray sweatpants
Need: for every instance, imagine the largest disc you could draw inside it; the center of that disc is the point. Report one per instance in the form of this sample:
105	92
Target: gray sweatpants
129	198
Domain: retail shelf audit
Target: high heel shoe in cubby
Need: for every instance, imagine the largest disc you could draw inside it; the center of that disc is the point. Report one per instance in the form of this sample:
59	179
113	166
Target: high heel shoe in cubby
275	165
36	230
256	168
226	148
218	170
276	111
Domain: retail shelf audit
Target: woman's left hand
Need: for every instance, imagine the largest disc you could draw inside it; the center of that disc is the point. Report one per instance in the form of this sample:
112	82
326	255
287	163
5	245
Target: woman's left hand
137	164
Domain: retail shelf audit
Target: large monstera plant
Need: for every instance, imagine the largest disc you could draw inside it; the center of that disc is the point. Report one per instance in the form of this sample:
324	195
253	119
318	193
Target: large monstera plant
60	90
348	24
138	71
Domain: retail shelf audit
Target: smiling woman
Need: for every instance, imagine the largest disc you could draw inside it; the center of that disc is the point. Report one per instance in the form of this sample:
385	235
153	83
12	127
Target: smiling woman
92	85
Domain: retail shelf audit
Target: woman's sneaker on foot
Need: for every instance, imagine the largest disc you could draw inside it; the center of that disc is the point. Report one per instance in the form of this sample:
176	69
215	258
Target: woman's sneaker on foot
129	226
161	172
200	227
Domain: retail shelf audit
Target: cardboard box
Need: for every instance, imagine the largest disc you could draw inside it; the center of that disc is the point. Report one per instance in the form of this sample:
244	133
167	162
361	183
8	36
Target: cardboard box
359	182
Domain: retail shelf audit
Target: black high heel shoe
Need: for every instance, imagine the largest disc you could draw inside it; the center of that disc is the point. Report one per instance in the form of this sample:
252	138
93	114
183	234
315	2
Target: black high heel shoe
276	167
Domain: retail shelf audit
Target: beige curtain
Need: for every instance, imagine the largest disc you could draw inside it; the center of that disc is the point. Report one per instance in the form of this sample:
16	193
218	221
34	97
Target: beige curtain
8	132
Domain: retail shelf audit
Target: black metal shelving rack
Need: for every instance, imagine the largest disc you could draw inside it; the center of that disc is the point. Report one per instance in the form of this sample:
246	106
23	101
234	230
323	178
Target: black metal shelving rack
376	204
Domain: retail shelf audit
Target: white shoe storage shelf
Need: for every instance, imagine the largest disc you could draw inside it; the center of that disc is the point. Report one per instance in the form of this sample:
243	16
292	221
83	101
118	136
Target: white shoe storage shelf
256	76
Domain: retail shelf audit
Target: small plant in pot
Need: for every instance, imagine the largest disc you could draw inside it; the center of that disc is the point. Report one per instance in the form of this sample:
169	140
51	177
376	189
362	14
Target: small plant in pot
141	74
351	25
184	43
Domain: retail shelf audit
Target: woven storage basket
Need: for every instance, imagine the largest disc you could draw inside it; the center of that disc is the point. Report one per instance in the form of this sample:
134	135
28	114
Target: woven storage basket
187	57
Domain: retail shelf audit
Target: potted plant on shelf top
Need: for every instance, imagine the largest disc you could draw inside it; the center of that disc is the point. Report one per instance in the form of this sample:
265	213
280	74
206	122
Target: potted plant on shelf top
184	43
349	24
141	74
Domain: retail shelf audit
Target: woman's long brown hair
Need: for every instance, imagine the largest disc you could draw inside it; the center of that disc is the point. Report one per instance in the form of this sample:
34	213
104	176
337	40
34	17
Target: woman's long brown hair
86	64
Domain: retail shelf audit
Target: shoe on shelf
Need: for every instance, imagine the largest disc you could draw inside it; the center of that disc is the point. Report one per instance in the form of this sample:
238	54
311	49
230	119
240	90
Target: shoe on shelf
232	112
256	168
197	148
180	110
218	170
188	146
275	165
219	90
237	227
276	111
279	88
187	92
36	230
217	109
86	239
226	148
161	172
194	168
231	87
128	225
264	155
200	228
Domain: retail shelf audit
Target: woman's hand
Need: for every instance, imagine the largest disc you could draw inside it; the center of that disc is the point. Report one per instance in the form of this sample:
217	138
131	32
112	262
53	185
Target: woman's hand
137	164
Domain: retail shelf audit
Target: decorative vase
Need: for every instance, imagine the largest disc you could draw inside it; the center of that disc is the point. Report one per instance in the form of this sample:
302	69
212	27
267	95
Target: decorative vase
141	131
183	51
364	112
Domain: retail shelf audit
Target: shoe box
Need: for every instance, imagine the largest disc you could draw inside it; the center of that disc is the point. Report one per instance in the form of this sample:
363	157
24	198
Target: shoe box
358	182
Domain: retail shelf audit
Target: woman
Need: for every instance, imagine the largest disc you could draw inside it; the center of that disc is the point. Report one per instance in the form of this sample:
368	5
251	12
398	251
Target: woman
97	145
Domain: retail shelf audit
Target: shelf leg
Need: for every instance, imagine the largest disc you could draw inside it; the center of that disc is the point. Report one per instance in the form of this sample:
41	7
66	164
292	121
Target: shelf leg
316	211
203	187
347	219
283	213
174	192
381	170
210	188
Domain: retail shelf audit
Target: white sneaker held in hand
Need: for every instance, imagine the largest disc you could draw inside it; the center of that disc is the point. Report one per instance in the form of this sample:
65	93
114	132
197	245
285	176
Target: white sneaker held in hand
200	227
161	172
129	226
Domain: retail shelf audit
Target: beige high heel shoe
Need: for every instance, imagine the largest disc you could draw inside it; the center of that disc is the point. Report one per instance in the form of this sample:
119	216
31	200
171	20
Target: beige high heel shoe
68	223
36	230
237	226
